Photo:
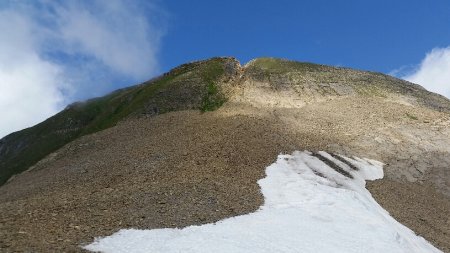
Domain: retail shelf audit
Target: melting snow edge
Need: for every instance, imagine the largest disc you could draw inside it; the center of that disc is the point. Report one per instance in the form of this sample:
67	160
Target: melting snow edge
310	205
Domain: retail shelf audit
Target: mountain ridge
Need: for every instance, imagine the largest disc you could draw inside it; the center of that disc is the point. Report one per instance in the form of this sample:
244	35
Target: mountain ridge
189	148
203	85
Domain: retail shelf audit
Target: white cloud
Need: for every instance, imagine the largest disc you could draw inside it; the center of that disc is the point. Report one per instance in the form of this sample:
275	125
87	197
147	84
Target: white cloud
116	34
433	73
30	87
56	51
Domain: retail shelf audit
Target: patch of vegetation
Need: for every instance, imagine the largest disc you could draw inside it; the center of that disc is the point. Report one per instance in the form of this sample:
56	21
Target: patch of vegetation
274	65
212	100
412	117
213	70
370	89
264	69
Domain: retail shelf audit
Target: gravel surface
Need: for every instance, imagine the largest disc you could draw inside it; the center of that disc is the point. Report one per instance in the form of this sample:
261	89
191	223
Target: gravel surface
184	168
417	206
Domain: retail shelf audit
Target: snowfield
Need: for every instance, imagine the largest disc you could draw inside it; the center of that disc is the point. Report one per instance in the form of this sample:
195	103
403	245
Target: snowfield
313	203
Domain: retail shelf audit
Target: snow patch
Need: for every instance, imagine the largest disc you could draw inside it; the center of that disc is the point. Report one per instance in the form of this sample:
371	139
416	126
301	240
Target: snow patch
309	207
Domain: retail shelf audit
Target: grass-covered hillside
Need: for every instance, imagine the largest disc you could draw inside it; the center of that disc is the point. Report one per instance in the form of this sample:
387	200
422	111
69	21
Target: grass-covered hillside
190	86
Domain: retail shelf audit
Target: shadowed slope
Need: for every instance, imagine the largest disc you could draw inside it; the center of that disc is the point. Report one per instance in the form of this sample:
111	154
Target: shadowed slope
190	86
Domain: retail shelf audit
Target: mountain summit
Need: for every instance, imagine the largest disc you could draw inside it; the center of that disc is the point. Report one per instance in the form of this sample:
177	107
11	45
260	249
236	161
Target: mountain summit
188	147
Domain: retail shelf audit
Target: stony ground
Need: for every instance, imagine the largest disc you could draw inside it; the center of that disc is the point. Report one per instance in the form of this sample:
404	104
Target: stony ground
186	167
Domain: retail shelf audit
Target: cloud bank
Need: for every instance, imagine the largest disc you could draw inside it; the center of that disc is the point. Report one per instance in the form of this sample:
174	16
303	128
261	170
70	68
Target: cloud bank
55	52
30	87
433	73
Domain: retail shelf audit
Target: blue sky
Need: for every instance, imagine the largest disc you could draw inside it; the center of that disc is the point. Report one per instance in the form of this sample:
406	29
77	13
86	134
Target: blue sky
373	35
55	52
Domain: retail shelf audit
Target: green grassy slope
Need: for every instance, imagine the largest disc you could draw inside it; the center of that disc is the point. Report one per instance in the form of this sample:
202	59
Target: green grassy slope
190	86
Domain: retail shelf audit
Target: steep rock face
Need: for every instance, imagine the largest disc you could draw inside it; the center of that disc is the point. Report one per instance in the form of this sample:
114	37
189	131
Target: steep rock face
270	82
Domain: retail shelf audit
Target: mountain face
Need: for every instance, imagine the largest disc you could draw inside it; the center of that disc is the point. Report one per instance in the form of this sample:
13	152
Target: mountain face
205	85
189	146
190	86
